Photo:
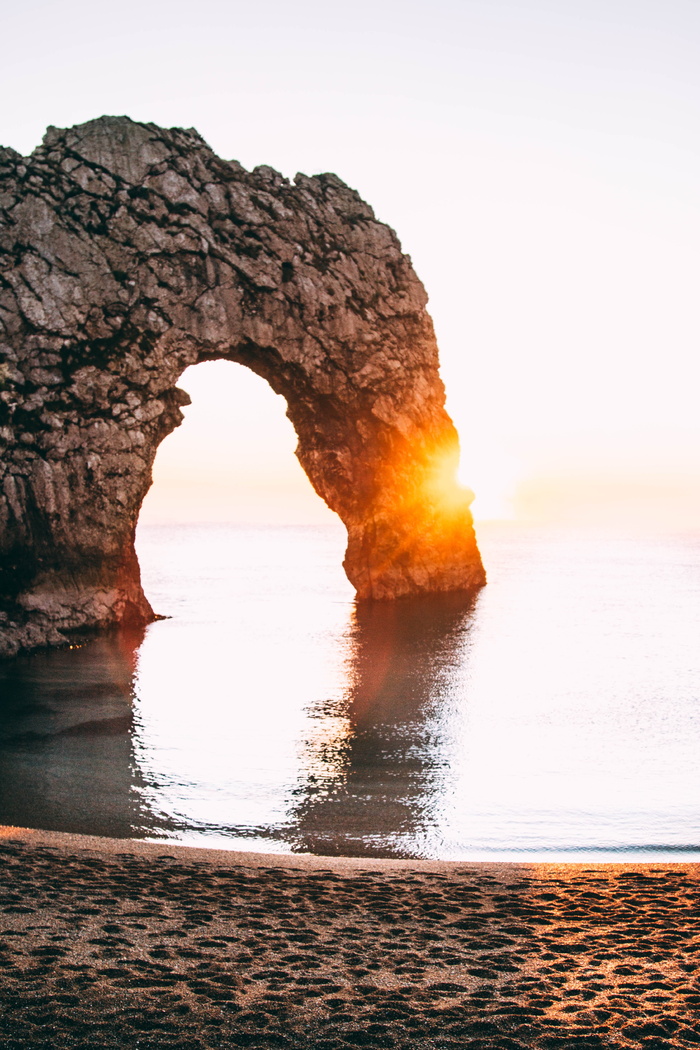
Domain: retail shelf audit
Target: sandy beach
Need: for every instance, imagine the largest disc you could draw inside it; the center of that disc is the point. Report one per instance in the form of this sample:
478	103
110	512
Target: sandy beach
115	943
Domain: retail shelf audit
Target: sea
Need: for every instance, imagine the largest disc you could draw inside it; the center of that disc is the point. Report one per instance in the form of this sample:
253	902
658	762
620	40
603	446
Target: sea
554	716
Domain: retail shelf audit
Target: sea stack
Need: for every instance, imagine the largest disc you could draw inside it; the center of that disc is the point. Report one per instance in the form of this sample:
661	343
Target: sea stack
129	252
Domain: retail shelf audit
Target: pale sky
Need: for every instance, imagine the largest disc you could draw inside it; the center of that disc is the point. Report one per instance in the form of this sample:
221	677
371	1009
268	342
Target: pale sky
540	162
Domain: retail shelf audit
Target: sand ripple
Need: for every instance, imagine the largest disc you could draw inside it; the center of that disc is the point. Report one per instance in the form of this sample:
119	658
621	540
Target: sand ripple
158	947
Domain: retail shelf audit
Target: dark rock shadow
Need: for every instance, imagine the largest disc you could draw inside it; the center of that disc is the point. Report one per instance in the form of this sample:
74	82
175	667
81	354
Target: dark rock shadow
66	752
373	767
376	764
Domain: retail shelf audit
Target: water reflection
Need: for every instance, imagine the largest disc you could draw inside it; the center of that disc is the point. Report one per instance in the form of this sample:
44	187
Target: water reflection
66	756
559	713
119	738
376	764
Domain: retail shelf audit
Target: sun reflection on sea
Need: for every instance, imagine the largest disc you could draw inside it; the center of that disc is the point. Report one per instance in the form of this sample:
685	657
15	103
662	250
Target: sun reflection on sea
554	715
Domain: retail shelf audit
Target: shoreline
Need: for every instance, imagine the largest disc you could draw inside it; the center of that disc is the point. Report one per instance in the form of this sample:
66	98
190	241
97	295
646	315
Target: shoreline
218	856
121	942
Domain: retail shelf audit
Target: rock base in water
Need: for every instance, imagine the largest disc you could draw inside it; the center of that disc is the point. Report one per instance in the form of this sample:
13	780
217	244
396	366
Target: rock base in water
128	253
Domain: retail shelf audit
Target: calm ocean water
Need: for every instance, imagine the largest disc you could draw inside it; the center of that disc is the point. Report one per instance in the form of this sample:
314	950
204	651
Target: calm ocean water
556	715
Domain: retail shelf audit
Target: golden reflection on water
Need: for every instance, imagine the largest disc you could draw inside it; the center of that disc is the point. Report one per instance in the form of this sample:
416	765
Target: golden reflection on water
373	770
558	711
324	757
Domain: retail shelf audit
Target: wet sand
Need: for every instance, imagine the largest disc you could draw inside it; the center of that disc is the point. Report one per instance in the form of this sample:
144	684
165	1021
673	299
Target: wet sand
112	943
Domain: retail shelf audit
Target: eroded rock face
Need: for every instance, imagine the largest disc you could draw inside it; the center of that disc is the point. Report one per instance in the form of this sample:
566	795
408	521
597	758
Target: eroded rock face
127	253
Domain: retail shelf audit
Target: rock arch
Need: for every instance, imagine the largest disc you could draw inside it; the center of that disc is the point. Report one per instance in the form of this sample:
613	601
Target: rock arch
127	253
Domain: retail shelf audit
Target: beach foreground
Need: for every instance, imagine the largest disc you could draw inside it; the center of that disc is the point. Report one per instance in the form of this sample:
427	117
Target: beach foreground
117	943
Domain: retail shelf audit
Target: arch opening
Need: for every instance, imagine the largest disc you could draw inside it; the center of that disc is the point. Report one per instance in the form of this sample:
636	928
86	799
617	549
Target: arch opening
232	460
137	253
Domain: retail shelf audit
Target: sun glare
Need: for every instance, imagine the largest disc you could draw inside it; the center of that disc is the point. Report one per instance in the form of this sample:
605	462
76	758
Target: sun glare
494	479
444	488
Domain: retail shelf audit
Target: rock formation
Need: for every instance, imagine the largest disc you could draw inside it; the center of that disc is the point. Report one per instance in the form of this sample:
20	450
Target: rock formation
127	253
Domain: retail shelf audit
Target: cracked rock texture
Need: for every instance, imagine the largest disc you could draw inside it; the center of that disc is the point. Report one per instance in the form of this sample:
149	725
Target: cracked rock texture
127	253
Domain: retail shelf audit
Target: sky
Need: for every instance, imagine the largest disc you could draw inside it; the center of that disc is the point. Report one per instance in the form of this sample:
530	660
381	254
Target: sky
540	162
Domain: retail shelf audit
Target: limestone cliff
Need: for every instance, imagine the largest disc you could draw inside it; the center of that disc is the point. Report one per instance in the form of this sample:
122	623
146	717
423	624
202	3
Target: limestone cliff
127	253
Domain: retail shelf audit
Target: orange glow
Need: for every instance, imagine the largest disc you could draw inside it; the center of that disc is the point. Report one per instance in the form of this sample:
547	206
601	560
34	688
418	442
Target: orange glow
444	487
629	501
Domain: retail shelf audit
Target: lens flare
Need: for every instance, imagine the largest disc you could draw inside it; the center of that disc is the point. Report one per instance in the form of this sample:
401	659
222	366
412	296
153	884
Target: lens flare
495	476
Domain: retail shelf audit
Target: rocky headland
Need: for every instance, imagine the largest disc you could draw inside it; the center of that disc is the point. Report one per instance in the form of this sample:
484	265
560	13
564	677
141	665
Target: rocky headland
129	252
